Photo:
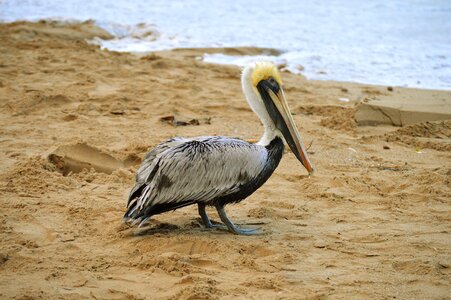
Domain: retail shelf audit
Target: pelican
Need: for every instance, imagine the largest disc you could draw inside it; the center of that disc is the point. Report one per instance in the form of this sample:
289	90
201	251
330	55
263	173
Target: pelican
218	170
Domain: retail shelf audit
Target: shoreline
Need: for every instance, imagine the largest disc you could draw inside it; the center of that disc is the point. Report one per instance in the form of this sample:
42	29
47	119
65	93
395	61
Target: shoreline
95	33
76	121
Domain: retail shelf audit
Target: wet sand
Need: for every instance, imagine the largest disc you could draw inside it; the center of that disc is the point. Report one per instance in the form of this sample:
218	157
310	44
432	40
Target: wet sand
75	122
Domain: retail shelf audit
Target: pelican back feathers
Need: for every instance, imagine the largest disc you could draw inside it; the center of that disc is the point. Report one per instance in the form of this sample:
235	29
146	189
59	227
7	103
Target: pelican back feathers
206	170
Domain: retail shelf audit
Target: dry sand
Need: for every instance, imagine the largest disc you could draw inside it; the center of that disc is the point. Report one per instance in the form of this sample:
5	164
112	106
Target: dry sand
374	221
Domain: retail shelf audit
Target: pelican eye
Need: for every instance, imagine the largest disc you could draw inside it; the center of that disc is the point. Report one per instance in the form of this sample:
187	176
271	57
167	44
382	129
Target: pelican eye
273	84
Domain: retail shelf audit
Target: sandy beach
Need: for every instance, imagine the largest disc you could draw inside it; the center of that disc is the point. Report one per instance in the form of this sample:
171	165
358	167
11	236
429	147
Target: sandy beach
75	122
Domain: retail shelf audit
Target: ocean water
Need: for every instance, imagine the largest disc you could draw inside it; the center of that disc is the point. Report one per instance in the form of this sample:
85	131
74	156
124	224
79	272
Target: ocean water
397	42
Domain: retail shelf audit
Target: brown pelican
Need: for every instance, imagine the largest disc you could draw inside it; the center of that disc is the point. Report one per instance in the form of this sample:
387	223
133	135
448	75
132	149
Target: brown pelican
217	170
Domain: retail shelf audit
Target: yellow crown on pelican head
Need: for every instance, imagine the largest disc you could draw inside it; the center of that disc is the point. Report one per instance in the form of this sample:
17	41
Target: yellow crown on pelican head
265	70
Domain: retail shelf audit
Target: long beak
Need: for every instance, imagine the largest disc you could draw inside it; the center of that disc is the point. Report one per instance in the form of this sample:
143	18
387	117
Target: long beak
289	131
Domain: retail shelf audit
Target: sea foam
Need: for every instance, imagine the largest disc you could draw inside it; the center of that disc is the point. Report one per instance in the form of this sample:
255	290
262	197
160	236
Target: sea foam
402	43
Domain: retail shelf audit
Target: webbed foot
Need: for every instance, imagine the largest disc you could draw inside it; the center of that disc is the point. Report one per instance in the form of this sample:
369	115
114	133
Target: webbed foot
231	227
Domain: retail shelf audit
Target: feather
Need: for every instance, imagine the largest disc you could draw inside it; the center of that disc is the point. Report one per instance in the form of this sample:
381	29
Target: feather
183	171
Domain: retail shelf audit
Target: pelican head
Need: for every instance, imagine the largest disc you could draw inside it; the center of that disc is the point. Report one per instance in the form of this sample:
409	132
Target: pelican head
262	86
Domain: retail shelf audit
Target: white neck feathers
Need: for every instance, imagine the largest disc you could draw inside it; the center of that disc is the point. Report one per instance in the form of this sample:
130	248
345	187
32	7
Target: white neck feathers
257	105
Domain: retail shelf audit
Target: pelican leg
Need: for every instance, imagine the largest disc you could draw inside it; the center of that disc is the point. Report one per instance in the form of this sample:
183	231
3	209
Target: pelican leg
205	218
231	226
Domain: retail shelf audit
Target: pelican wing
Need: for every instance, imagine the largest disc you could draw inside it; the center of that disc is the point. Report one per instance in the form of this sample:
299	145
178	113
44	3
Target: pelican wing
183	171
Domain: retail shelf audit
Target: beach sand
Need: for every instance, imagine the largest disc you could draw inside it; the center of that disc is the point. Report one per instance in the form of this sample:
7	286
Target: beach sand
75	122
